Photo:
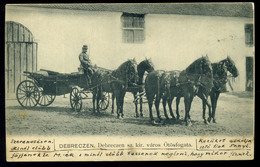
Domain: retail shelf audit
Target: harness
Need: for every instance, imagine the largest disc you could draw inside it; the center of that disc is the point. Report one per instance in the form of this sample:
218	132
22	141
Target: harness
127	82
195	81
220	76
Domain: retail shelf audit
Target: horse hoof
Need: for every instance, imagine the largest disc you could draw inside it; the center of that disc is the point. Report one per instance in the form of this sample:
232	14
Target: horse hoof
154	122
141	115
188	123
209	119
160	120
214	121
206	122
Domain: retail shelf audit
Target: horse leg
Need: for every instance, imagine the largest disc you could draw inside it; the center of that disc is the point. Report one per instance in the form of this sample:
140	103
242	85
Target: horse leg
204	112
113	100
122	103
164	108
169	101
150	104
98	100
157	103
214	101
150	98
141	106
116	96
93	100
188	100
205	102
209	107
117	106
136	108
177	107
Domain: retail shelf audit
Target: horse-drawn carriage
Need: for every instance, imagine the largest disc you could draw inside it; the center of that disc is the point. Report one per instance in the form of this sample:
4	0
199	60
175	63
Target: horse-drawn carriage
43	86
201	78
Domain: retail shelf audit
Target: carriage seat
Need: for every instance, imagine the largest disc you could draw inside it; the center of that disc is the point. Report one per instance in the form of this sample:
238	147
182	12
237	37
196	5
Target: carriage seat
44	73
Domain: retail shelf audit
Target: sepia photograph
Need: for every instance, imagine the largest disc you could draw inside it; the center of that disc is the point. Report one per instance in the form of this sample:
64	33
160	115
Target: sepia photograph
129	81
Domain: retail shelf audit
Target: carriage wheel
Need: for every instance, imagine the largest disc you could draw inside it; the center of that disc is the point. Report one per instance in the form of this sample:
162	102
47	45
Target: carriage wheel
27	94
46	100
104	102
75	99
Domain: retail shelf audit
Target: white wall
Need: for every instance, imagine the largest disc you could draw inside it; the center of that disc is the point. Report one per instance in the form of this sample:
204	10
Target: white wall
172	41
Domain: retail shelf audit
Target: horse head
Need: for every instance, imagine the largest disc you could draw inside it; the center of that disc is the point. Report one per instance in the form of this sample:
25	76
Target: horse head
131	71
145	65
201	66
206	67
231	67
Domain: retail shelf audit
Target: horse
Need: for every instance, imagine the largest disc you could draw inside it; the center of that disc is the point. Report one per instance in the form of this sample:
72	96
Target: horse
115	82
220	78
144	66
196	79
220	75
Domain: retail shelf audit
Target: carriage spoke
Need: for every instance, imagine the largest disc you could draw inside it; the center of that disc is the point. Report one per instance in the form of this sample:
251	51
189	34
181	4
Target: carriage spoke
21	90
48	98
22	86
44	100
77	106
41	100
22	97
30	102
103	104
26	101
33	102
73	104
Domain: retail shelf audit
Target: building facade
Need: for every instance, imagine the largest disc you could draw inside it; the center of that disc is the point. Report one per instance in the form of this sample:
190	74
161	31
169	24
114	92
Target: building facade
172	41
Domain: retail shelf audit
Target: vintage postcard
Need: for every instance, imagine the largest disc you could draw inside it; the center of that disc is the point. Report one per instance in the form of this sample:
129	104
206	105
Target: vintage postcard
129	82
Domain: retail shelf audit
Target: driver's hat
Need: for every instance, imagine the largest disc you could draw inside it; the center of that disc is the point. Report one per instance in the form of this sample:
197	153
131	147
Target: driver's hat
85	47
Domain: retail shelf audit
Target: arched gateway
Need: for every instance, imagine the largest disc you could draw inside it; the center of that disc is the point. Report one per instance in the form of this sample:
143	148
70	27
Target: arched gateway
20	54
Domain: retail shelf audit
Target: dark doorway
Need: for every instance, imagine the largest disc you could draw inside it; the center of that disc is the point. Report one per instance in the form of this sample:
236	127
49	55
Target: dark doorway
249	73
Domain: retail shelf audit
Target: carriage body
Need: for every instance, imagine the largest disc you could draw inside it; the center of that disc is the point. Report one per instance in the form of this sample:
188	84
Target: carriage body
43	86
54	83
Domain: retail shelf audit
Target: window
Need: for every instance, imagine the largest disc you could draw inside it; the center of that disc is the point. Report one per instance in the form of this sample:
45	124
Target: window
133	28
249	34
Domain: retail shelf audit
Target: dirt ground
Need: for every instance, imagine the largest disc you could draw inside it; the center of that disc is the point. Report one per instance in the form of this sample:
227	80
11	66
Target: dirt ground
235	117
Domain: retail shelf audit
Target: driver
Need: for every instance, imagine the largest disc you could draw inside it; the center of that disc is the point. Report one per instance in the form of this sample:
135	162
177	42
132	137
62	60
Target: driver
85	63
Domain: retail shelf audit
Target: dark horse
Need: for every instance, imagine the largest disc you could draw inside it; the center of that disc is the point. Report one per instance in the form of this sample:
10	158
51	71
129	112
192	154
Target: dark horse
196	79
220	75
220	78
144	66
116	82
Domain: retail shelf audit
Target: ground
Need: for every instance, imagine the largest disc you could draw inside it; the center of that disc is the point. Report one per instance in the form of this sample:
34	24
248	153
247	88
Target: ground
235	117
